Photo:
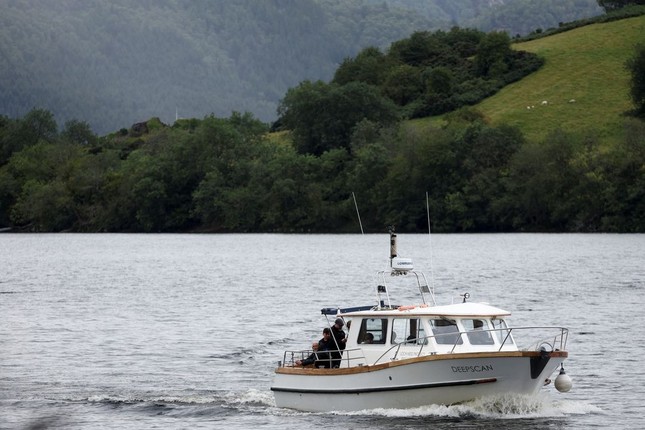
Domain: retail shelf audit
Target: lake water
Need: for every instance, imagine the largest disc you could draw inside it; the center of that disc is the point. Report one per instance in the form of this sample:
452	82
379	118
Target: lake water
184	331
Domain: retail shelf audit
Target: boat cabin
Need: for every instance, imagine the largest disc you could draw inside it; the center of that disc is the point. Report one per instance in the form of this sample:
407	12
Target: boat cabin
381	335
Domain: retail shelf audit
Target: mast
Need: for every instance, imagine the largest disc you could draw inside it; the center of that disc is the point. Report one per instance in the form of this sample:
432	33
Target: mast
393	253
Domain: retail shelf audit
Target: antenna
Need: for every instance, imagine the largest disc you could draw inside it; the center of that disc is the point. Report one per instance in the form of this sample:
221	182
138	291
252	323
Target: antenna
357	213
400	266
430	241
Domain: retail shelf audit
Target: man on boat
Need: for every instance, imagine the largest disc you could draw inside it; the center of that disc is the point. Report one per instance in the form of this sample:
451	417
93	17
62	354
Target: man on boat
320	356
339	341
311	359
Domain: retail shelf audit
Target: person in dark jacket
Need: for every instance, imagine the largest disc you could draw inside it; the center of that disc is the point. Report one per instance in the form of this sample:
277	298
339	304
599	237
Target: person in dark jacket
311	359
339	341
320	356
325	345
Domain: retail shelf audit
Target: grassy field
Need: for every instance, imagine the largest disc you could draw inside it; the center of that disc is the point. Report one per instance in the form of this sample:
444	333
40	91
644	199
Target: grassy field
584	83
583	86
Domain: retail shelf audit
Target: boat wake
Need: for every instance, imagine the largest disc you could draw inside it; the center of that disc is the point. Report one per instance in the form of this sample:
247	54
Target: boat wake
255	402
493	407
187	405
232	399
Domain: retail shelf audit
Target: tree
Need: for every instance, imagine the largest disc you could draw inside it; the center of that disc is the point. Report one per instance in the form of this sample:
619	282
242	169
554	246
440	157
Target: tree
493	53
79	132
421	48
322	116
403	84
485	153
541	184
44	206
36	125
636	66
368	66
440	80
34	184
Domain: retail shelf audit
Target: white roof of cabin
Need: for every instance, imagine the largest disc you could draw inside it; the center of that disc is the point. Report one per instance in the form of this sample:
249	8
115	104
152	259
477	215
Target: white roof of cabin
468	309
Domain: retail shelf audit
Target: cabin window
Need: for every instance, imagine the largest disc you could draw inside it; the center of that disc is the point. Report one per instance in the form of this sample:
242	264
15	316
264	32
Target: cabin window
373	330
446	332
477	331
501	331
407	330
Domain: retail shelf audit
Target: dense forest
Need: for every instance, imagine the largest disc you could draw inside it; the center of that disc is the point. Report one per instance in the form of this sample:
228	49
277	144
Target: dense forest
218	175
117	62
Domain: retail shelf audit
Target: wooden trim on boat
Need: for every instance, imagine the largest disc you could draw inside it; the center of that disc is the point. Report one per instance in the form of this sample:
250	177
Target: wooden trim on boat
366	369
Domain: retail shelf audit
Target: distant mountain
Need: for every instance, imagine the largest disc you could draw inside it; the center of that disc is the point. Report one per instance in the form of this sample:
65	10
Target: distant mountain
114	63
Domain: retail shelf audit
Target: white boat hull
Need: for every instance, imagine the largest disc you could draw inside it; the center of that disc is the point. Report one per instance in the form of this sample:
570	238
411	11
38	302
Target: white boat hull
437	379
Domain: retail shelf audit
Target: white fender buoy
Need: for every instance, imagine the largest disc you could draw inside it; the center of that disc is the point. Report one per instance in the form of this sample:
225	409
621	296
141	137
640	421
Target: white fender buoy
563	383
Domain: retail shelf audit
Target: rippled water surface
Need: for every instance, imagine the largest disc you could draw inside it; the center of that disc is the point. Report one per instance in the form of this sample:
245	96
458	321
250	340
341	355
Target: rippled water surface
184	331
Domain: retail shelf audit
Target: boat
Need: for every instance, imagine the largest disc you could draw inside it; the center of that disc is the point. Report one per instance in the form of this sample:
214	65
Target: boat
412	355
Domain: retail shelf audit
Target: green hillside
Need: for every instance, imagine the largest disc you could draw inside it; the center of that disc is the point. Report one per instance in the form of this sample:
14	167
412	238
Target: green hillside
114	63
586	65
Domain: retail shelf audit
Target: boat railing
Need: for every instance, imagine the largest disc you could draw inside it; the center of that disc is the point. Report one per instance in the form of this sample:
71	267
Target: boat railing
554	342
440	338
327	359
557	341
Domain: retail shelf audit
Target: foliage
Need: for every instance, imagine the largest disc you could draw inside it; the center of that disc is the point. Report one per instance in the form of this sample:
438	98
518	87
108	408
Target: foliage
369	66
636	67
322	116
493	53
225	175
568	183
36	125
